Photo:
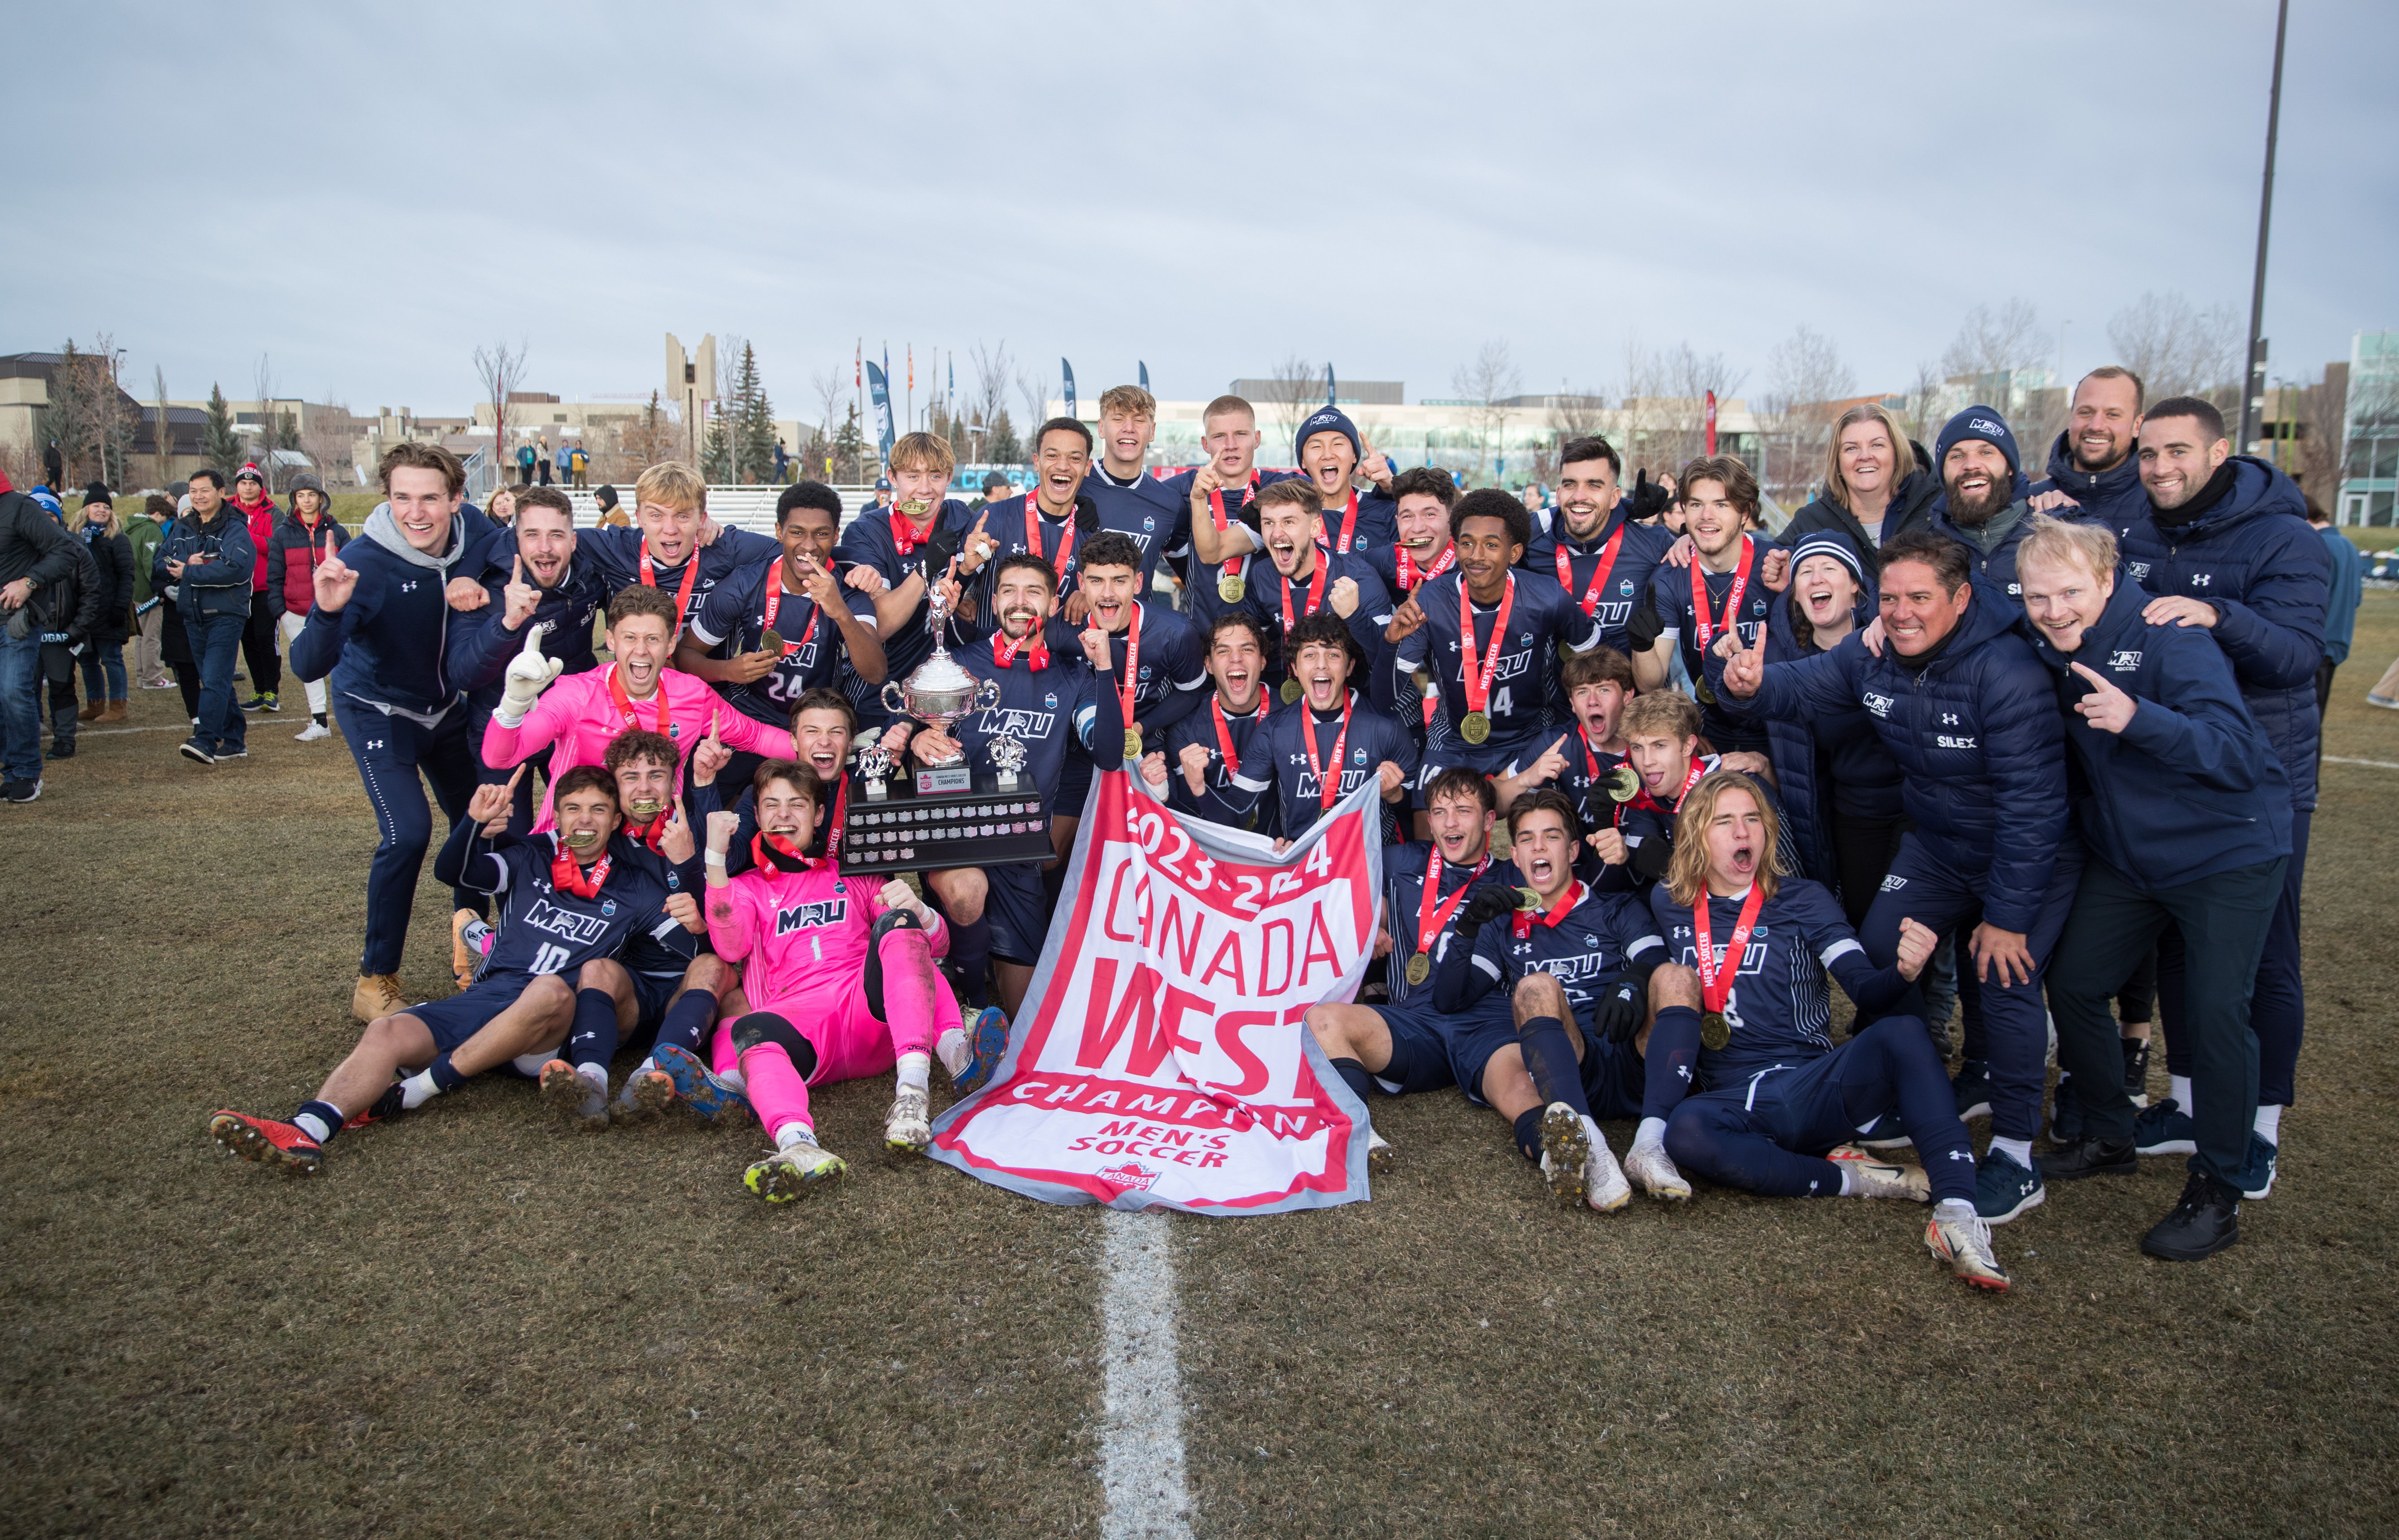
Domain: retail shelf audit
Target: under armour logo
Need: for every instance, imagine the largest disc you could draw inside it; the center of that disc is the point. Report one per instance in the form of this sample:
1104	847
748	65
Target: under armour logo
374	743
1950	718
2199	580
1966	1155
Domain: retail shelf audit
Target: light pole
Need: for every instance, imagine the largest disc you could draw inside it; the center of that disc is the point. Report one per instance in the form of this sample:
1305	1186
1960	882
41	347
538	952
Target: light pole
2253	380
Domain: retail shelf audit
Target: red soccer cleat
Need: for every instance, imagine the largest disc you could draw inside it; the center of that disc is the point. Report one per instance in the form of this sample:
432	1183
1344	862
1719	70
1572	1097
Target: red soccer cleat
266	1141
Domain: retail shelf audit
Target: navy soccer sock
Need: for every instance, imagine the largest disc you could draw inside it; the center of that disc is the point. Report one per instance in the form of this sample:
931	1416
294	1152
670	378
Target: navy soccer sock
1672	1060
970	950
686	1021
445	1075
594	1039
1353	1075
1895	1061
319	1120
1528	1133
1549	1058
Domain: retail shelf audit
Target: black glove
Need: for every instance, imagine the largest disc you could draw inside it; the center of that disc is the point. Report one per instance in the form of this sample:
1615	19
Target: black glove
1642	628
1482	906
1649	499
1621	1009
940	549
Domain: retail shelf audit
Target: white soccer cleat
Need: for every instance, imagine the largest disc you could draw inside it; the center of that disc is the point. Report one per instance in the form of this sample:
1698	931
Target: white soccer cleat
1603	1181
1378	1153
909	1128
1565	1153
1958	1237
1652	1169
1872	1178
793	1171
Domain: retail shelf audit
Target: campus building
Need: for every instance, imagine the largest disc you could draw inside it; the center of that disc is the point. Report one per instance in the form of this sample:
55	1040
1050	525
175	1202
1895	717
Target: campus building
2370	431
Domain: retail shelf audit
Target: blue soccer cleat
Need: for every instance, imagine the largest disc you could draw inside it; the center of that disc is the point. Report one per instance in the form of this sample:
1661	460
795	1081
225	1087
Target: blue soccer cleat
986	1041
701	1088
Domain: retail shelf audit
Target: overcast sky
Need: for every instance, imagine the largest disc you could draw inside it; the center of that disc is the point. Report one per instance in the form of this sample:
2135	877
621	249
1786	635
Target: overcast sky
365	194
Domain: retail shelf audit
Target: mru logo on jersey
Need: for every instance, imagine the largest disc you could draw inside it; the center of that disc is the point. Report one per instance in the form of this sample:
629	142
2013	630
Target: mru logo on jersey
584	929
1016	723
808	916
1752	956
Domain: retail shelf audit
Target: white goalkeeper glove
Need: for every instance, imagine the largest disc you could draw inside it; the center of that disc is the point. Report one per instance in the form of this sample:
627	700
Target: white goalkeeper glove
529	674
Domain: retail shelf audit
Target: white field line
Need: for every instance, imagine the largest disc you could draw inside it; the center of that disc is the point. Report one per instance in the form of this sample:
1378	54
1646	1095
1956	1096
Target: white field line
2377	764
1140	1426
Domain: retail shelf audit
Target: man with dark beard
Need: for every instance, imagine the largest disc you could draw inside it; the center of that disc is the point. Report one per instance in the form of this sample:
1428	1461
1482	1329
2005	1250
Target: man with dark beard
1985	495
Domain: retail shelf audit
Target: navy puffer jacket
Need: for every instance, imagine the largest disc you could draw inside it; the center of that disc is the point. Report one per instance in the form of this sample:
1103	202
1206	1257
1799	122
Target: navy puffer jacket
1910	505
2112	495
2254	559
1834	763
1976	732
2189	788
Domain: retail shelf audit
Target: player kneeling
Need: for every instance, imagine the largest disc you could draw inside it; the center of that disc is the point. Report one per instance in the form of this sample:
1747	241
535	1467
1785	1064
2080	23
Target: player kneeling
1582	970
570	899
1782	1106
841	985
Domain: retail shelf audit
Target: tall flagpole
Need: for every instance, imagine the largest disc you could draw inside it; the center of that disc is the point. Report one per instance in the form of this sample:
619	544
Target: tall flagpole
2253	380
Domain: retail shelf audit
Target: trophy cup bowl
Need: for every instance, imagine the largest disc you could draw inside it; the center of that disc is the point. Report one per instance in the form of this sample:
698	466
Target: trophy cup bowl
941	692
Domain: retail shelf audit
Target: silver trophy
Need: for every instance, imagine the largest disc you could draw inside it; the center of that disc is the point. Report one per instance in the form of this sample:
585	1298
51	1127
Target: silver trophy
1008	758
875	768
941	692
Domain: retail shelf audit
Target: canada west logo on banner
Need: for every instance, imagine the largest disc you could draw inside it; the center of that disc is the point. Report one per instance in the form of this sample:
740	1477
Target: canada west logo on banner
1162	1058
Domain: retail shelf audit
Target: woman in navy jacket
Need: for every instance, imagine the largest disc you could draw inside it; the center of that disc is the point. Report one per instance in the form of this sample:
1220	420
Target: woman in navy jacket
2186	814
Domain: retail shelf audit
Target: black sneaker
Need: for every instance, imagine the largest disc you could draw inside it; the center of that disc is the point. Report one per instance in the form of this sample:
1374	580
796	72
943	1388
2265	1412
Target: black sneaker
2090	1157
263	701
2136	1069
1973	1086
2065	1113
20	790
235	752
61	749
196	751
2205	1220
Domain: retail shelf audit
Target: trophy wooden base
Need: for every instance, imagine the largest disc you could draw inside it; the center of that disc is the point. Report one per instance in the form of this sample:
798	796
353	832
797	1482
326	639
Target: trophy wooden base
981	823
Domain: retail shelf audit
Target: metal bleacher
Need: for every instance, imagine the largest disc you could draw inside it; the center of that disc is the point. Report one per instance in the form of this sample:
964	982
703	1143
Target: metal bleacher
750	509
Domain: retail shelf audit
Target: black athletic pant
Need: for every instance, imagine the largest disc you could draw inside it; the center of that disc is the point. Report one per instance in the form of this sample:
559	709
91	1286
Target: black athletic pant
258	640
1862	851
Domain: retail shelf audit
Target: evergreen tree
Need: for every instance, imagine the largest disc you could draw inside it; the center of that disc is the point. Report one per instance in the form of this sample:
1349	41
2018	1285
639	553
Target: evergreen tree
753	420
220	440
717	453
1000	447
849	450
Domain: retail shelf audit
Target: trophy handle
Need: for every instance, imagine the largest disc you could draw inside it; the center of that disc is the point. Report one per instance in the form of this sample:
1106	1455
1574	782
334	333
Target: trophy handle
899	707
988	695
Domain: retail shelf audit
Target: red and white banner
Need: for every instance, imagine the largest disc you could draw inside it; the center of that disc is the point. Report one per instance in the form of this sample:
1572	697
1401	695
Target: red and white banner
1160	1057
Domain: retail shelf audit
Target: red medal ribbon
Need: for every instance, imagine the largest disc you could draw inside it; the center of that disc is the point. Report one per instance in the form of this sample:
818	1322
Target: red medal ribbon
1704	622
840	812
1590	600
1315	593
649	833
566	872
1132	663
1033	516
902	536
1348	523
1549	917
1231	566
682	591
1477	679
764	846
1715	980
1004	649
774	605
1428	919
1327	791
625	702
1225	732
1643	798
1411	575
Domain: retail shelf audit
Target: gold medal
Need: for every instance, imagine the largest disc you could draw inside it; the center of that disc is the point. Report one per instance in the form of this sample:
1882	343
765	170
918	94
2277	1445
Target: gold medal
1705	695
1133	744
771	640
1476	728
914	508
1527	899
581	839
1420	968
1231	588
646	809
1714	1031
1289	691
1622	783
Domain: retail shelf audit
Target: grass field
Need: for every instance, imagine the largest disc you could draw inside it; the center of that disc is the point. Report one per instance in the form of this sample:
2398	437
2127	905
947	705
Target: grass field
475	1322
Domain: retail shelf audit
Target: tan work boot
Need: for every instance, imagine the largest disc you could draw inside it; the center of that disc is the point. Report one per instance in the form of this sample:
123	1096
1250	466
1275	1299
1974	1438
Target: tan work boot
377	995
91	711
115	712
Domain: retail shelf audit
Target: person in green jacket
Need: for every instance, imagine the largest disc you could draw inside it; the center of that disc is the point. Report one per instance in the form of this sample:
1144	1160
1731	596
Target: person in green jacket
142	531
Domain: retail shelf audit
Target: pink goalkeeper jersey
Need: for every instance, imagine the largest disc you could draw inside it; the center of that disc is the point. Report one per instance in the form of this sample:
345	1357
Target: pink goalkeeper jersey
800	934
580	716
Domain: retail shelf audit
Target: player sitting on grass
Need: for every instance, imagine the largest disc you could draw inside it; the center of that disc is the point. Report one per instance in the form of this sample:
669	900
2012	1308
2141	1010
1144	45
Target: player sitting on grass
1325	744
1583	975
1783	1104
1407	1045
841	983
569	899
1662	743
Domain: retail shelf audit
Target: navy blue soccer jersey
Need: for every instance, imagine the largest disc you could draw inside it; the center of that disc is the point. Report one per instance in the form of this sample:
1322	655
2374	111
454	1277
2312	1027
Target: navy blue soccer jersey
1174	676
1609	600
616	551
1040	708
1404	883
1540	619
667	953
1059	543
1778	1007
1361	524
543	928
1145	511
734	620
1671	587
1267	591
1221	802
868	542
1584	952
1285	766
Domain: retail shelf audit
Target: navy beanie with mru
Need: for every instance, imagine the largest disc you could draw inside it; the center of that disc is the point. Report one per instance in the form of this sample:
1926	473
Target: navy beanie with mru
1977	422
1329	419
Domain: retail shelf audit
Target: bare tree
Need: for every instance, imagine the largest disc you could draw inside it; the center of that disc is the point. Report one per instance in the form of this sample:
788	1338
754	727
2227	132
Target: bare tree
88	413
1665	402
1292	396
1035	393
163	439
2178	349
327	435
650	439
987	400
1807	381
1484	385
1577	411
501	371
1922	403
1996	342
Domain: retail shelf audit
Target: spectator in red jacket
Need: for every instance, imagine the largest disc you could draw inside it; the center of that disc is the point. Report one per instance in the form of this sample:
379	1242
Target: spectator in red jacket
257	652
293	552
